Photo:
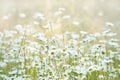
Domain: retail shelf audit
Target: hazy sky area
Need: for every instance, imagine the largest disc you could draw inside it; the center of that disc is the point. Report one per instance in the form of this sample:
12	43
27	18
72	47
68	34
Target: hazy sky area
92	14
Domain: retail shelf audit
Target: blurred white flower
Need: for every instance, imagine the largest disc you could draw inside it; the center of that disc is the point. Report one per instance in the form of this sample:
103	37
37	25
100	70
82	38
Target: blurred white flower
57	13
83	32
76	23
109	24
5	17
39	15
100	14
61	9
75	36
36	22
97	34
40	36
13	72
9	34
19	28
101	77
22	15
66	17
3	64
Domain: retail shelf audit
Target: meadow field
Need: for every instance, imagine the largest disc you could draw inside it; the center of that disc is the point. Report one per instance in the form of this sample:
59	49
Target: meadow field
59	40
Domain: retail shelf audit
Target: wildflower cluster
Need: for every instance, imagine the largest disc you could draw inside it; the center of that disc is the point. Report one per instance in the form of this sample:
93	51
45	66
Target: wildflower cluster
26	54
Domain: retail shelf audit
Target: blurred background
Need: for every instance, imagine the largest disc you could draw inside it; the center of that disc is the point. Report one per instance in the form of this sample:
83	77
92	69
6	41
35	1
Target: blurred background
61	15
